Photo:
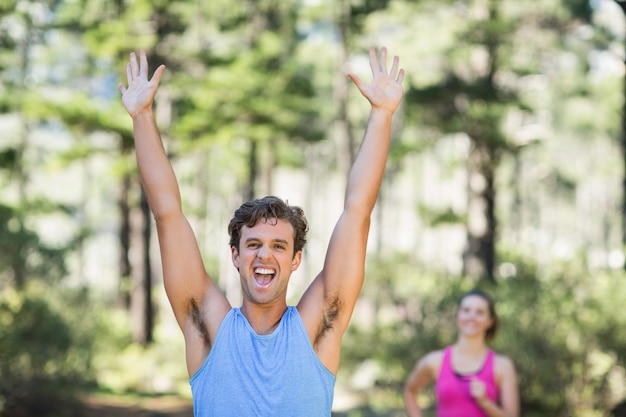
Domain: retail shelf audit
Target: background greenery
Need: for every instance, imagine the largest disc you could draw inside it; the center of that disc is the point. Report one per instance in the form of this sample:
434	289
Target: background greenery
506	172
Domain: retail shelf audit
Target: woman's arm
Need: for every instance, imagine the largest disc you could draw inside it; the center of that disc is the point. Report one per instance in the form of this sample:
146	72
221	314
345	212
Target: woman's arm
423	373
507	385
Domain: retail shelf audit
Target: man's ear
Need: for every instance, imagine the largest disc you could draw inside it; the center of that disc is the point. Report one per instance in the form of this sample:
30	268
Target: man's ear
297	259
234	254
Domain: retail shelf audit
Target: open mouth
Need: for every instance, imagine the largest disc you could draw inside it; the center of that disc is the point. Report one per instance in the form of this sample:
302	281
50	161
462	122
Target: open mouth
264	276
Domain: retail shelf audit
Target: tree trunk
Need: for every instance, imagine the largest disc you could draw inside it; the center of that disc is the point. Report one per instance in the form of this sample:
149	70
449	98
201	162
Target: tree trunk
19	266
479	255
622	5
124	266
250	188
141	293
479	258
345	139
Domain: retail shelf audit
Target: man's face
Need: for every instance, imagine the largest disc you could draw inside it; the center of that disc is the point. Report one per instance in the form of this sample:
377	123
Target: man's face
265	260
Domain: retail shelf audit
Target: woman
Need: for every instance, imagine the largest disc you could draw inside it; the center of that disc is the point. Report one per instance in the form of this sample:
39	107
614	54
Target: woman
471	380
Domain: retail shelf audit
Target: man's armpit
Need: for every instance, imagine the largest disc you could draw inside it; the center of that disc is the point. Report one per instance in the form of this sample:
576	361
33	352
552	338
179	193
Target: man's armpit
197	319
329	317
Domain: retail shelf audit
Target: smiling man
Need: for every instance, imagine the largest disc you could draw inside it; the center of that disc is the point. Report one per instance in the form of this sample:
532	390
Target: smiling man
264	358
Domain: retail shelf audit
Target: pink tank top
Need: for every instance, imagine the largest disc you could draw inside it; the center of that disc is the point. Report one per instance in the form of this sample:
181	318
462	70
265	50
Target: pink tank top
452	390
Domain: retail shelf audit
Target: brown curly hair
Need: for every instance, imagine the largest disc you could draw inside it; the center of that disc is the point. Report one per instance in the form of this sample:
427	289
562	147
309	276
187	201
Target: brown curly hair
269	207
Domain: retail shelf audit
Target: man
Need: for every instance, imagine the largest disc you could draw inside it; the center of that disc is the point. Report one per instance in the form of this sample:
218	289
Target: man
264	358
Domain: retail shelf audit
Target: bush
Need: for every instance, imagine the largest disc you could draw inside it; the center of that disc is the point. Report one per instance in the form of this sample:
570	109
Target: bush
560	325
43	362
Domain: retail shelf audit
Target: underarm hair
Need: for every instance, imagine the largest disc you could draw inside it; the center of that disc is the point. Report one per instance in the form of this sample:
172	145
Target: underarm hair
330	315
198	321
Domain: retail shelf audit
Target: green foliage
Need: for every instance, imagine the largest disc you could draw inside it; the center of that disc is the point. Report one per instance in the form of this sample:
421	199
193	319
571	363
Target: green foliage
242	78
23	254
439	217
248	98
44	354
121	366
8	159
557	325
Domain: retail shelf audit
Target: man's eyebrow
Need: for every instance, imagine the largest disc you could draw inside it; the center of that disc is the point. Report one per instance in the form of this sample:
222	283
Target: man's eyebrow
251	239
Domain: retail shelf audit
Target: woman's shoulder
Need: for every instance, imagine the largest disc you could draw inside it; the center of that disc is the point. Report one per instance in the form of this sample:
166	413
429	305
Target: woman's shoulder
430	363
502	360
503	364
433	358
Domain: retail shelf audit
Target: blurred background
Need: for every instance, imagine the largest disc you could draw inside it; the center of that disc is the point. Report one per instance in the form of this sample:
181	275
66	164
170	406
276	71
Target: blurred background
506	172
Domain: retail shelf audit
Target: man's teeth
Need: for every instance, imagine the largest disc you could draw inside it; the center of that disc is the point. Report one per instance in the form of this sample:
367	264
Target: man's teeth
264	271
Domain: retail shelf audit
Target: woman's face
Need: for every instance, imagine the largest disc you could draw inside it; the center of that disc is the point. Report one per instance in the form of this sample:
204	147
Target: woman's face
473	318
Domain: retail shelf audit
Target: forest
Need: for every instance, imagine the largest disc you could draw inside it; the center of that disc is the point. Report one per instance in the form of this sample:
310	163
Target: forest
506	172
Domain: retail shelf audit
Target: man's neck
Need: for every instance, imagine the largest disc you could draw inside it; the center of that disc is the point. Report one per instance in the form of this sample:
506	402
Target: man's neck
264	319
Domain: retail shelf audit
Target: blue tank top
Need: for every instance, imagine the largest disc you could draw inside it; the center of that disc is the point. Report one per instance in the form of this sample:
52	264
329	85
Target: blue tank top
247	374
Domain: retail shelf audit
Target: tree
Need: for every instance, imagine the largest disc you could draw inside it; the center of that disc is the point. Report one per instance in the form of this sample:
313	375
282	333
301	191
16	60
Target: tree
622	5
255	93
102	24
475	96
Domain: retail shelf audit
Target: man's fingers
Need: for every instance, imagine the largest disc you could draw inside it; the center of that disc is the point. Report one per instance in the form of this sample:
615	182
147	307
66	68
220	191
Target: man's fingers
394	67
143	64
373	62
157	74
356	80
383	60
122	88
136	70
134	67
400	76
129	73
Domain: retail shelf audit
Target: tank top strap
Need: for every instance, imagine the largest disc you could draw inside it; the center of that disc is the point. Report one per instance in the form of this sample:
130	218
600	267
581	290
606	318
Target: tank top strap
446	363
487	369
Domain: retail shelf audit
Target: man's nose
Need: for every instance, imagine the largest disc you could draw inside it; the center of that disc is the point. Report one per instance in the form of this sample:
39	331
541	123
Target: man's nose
263	252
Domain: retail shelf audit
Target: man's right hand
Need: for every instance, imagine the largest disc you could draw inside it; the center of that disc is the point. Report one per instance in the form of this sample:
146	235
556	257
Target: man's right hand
139	94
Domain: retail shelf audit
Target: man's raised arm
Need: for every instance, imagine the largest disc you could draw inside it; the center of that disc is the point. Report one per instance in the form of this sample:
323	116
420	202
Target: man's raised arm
188	287
335	290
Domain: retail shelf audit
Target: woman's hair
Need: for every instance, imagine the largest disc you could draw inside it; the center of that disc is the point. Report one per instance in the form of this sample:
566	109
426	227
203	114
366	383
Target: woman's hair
491	331
267	208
